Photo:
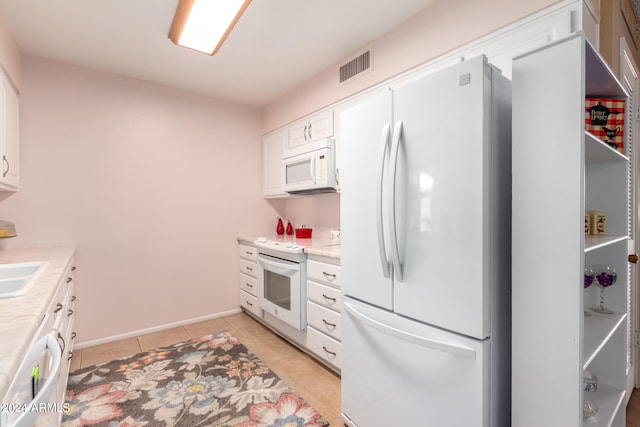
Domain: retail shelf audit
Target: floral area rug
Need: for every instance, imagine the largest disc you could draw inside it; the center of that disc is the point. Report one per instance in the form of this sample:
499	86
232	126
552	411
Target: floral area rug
208	381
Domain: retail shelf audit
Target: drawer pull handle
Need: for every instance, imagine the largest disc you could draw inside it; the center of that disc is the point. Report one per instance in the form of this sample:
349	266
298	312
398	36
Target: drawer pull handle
69	279
249	304
329	299
329	324
73	268
73	335
61	338
249	253
70	355
70	313
329	276
58	308
332	353
249	268
73	298
249	285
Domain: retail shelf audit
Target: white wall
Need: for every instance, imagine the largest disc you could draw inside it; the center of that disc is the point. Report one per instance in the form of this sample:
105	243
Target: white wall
152	185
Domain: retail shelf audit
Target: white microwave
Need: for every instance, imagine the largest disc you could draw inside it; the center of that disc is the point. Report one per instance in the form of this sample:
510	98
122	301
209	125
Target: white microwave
311	172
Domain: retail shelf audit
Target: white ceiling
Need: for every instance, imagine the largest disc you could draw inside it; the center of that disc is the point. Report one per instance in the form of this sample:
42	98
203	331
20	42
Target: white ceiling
274	47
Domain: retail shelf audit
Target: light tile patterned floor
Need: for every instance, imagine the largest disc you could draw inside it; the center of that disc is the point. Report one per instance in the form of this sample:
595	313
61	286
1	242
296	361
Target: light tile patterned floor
317	385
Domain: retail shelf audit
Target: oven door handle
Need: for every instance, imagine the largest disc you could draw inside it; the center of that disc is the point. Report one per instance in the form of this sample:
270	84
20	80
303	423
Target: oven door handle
279	268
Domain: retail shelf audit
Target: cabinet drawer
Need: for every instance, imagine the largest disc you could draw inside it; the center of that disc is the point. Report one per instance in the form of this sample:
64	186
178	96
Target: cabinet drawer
248	252
250	303
325	320
248	284
325	347
323	272
324	295
248	267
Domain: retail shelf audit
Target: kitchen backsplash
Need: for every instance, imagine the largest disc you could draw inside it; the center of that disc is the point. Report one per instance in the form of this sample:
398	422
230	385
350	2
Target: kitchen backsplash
320	212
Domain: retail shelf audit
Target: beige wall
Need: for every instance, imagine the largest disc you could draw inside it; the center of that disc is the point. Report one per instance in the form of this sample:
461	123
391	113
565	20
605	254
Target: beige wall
152	185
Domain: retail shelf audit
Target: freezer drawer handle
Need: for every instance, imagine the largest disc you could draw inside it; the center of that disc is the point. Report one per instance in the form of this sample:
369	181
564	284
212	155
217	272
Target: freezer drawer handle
416	339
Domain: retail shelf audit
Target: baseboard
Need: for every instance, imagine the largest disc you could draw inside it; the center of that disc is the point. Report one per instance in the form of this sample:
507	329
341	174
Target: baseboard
131	334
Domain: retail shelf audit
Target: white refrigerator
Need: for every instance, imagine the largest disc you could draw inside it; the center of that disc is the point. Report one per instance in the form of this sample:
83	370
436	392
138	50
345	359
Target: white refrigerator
425	252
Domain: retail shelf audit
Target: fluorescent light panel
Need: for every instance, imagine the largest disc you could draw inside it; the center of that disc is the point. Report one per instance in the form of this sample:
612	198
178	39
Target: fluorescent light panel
203	25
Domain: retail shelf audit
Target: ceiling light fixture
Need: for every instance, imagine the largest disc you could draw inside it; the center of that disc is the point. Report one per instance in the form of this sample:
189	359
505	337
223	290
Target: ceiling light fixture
203	25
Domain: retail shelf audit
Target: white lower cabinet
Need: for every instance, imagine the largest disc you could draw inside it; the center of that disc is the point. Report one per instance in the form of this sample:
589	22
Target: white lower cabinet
324	310
48	358
63	324
247	279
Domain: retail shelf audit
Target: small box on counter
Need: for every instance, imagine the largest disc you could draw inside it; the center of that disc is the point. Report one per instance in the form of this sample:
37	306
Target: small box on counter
598	223
604	118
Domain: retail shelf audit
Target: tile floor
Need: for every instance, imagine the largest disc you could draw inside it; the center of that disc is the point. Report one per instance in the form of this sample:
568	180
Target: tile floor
316	384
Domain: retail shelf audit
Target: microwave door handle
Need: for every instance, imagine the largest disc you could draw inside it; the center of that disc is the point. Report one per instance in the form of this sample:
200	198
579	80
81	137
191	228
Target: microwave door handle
312	167
382	250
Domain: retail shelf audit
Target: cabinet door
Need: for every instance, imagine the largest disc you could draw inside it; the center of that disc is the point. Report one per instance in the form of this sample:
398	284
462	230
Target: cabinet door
364	263
297	134
321	125
9	136
272	172
316	127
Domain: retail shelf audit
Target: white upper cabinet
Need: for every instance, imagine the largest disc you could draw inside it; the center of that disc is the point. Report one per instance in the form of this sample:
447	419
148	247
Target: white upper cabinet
305	131
9	135
272	171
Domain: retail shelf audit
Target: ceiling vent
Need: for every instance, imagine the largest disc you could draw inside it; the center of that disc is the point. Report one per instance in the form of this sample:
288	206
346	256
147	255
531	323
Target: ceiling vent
355	66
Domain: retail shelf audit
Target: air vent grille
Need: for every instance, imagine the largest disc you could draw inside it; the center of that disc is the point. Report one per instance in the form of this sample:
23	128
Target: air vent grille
355	66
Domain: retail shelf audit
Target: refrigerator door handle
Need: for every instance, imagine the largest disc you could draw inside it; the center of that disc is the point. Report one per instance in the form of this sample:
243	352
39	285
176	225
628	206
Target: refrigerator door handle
395	149
384	143
454	349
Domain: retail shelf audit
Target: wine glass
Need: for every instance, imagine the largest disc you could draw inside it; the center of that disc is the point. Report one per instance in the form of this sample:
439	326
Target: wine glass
589	277
606	276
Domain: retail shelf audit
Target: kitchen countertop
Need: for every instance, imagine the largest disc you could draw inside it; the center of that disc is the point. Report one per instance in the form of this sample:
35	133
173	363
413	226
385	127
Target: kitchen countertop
319	246
331	251
21	316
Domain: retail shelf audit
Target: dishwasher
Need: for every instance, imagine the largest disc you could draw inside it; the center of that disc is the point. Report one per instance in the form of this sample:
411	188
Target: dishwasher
32	395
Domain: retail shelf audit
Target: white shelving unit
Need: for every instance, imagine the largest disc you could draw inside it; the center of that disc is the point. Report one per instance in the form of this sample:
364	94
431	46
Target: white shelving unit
561	171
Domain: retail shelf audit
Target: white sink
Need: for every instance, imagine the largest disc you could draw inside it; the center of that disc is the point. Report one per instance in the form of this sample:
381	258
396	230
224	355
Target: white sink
16	278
